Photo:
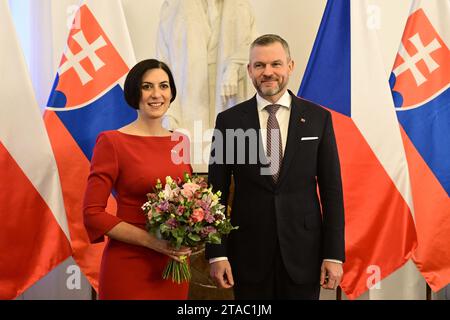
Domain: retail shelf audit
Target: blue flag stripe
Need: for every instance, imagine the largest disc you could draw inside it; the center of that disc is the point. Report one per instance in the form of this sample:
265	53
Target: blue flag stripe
329	83
428	127
109	112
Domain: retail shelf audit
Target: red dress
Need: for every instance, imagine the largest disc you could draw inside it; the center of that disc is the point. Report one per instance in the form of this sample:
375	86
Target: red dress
129	165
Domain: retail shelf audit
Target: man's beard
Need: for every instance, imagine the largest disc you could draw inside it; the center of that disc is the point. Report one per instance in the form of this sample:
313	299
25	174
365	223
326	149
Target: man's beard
269	92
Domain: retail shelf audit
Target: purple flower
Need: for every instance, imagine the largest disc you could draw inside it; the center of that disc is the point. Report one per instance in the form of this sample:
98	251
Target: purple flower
204	205
164	206
209	217
207	230
172	223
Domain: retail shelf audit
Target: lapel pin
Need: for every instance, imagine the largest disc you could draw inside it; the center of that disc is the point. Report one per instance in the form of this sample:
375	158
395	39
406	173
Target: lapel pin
302	120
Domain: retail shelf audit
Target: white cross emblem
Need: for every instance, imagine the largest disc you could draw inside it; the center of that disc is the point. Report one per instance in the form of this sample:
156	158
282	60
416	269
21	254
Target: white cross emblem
87	51
423	53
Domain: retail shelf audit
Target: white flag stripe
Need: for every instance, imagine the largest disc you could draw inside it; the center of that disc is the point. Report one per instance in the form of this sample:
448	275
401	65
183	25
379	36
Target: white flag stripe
22	130
421	103
372	106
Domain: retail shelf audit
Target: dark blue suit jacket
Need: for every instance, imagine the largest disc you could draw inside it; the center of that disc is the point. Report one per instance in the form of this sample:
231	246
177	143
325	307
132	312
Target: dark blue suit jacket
289	213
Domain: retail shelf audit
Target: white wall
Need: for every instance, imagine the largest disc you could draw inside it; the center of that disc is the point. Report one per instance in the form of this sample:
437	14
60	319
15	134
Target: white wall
295	20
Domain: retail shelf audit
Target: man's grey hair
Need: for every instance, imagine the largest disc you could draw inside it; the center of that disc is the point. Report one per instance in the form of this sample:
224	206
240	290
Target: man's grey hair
268	39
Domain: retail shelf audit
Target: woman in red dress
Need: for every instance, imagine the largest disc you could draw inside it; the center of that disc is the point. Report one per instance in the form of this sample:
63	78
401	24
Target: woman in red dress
127	162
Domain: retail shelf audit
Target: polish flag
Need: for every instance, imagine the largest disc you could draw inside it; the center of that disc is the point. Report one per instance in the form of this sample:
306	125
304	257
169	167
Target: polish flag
34	236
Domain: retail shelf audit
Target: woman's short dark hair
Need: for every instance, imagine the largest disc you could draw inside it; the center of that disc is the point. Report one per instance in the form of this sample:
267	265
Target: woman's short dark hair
133	81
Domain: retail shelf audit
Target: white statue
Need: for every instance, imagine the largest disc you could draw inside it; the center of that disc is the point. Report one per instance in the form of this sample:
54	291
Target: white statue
205	43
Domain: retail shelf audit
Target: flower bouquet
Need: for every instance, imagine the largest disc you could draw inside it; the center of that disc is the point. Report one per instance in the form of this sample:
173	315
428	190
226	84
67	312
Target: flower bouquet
186	213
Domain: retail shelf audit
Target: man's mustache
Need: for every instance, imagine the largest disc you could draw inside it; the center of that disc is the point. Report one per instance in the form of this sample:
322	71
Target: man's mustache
269	79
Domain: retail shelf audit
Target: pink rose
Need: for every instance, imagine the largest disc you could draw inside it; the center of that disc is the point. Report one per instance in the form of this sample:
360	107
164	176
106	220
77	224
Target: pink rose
189	189
197	215
181	210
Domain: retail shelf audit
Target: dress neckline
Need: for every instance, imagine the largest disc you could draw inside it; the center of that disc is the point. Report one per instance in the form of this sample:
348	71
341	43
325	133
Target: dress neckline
135	135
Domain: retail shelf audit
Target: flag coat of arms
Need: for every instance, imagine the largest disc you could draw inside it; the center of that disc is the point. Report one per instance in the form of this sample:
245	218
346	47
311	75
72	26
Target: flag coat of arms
420	84
87	98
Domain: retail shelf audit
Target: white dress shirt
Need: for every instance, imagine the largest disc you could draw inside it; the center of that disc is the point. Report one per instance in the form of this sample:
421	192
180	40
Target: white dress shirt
283	114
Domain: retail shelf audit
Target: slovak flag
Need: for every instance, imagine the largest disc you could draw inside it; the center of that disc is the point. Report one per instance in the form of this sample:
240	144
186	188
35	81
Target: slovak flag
87	98
420	83
34	235
345	74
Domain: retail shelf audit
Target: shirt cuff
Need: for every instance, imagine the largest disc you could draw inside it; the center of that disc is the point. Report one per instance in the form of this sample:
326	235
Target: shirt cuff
212	260
333	260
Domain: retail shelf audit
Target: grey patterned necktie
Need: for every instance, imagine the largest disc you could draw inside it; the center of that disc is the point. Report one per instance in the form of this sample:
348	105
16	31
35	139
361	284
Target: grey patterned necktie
274	145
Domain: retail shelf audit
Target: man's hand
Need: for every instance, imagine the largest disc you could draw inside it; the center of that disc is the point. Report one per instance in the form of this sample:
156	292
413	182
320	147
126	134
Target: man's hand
330	275
220	272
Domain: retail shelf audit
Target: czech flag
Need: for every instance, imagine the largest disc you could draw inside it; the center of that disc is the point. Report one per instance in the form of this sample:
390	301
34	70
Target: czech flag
345	74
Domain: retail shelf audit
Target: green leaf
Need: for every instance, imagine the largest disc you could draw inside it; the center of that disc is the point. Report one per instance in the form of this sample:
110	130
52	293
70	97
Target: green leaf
214	238
197	228
194	237
164	228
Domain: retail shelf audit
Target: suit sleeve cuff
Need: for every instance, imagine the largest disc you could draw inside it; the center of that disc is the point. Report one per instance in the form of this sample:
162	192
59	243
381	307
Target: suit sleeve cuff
212	260
333	260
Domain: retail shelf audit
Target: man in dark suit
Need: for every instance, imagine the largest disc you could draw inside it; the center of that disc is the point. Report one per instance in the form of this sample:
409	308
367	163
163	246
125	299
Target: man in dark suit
279	149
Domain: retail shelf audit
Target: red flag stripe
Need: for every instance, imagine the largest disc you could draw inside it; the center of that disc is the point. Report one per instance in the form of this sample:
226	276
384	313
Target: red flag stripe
74	169
31	244
432	215
379	227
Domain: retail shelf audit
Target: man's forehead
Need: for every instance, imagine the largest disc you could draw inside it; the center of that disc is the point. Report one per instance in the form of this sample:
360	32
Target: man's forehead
270	52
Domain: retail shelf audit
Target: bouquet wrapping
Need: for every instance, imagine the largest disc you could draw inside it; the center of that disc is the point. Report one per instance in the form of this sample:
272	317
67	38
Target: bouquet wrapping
185	212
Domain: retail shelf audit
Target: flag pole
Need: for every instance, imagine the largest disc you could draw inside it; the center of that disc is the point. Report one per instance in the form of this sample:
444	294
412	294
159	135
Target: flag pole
93	293
338	293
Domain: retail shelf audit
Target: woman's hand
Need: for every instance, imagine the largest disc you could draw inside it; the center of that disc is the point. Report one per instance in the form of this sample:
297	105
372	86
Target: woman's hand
164	247
129	233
